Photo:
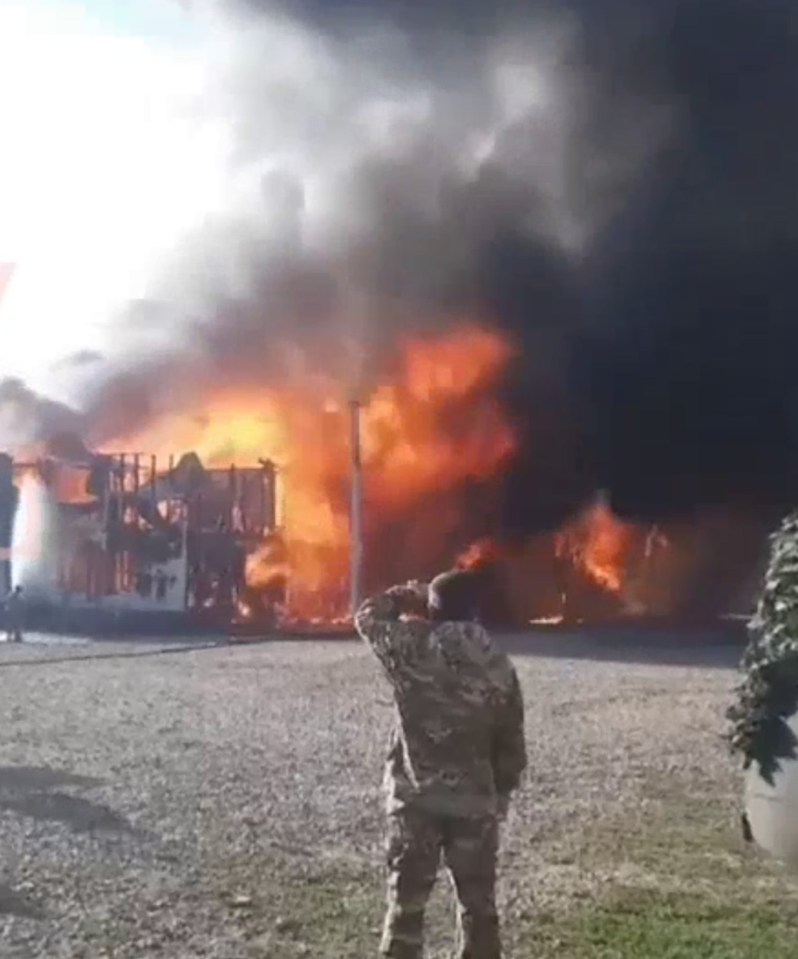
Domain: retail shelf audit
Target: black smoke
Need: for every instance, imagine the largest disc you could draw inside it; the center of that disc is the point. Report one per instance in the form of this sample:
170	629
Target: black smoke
657	359
687	379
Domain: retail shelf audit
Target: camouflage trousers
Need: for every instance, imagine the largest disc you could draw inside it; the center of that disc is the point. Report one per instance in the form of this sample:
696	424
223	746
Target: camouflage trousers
417	841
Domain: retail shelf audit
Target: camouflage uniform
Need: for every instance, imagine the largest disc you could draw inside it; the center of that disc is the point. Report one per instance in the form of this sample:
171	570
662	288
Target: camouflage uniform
456	755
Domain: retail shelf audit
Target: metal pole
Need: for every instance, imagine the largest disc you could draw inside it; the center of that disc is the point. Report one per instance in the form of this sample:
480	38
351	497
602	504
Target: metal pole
356	518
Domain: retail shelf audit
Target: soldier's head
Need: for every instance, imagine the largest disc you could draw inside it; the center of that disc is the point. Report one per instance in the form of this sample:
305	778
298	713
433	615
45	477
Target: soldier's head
18	589
453	597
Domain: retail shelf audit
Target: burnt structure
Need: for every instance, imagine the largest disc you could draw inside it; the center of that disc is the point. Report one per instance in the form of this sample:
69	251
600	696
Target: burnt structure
139	541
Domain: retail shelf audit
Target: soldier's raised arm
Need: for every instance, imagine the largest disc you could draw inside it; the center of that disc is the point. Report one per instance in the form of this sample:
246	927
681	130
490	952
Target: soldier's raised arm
378	622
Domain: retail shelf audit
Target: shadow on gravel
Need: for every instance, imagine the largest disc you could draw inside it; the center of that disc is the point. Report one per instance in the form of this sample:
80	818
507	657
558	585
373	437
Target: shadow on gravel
79	814
41	777
12	904
33	791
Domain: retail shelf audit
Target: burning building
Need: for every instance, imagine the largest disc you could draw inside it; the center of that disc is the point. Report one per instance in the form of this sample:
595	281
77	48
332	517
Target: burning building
122	537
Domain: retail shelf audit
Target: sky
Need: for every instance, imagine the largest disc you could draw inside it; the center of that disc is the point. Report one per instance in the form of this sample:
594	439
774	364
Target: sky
104	162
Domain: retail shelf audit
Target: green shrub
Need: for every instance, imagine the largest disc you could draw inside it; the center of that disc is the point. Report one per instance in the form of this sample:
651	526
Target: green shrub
769	692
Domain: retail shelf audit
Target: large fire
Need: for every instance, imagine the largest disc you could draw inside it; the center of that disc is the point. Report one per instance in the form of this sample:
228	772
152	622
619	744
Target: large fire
432	425
595	549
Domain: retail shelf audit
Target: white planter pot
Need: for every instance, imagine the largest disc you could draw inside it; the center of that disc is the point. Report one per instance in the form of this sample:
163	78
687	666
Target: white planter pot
772	810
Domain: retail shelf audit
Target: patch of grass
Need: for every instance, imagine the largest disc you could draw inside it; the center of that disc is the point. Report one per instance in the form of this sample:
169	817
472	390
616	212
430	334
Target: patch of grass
337	914
680	884
328	909
634	924
290	908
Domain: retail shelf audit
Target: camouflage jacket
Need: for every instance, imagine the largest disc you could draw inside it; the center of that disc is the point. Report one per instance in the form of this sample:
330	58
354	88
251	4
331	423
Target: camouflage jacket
458	744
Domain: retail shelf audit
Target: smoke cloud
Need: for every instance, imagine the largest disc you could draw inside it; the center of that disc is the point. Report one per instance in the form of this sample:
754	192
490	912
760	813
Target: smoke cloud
610	183
27	419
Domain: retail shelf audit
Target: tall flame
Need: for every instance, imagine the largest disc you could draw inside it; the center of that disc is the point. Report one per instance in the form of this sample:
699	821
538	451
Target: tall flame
600	544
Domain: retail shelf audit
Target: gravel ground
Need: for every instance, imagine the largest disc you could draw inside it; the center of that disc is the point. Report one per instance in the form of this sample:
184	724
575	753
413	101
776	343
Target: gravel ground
140	788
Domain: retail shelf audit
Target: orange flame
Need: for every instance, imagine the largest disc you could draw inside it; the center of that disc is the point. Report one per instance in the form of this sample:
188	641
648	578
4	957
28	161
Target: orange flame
68	484
600	544
405	434
431	426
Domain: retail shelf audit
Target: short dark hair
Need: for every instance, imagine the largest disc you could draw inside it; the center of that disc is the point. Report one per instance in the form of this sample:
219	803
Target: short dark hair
454	596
